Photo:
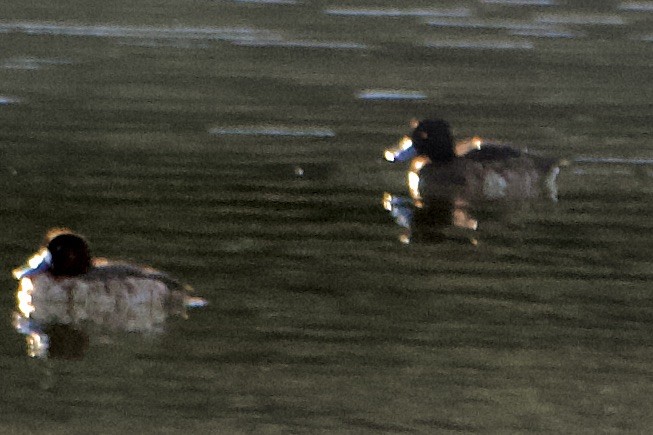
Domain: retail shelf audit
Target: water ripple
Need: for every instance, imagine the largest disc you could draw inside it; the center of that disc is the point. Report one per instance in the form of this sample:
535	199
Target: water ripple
151	32
273	2
546	33
637	6
522	2
614	160
582	20
273	131
397	12
481	24
302	44
540	30
5	101
481	45
388	94
31	63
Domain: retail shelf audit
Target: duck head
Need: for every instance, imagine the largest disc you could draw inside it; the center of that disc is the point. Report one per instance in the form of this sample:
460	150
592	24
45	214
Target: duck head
65	254
433	138
430	138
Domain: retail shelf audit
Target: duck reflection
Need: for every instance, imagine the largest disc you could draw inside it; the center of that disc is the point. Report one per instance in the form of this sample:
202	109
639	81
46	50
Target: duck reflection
63	293
427	221
447	179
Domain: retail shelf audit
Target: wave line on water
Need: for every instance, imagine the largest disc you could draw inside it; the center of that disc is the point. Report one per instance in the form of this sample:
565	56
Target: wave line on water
397	12
481	24
388	94
31	63
481	45
151	32
636	6
272	2
514	27
613	160
582	19
273	131
301	44
5	101
544	33
522	2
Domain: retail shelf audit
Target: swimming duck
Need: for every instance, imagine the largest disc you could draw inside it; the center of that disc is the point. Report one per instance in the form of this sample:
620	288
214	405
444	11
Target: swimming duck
473	169
63	286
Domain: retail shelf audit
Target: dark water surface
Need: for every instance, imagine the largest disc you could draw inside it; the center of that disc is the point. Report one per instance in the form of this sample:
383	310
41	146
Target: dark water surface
228	143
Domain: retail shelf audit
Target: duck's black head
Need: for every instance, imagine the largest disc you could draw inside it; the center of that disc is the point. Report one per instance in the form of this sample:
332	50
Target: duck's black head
433	138
70	255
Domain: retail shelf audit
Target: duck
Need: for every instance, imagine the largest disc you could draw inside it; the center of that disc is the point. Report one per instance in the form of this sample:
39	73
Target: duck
471	170
63	288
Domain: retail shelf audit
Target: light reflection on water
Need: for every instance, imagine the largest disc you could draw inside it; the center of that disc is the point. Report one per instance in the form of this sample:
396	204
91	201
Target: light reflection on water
5	101
390	94
302	44
398	12
522	2
428	221
151	32
584	19
482	44
31	63
273	131
641	6
272	2
516	28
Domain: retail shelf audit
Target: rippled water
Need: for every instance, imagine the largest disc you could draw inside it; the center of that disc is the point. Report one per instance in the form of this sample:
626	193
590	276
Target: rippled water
237	145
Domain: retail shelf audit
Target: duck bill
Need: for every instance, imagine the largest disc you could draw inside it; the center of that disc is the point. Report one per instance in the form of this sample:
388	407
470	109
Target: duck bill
39	263
195	302
403	151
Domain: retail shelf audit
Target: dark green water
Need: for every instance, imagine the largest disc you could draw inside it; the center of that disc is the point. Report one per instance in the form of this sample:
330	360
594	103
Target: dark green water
320	319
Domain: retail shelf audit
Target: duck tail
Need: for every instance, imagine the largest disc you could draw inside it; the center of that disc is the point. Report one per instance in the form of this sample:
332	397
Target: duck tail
550	182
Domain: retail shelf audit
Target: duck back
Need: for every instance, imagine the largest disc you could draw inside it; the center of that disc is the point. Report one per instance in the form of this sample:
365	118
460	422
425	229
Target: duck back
490	173
490	153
